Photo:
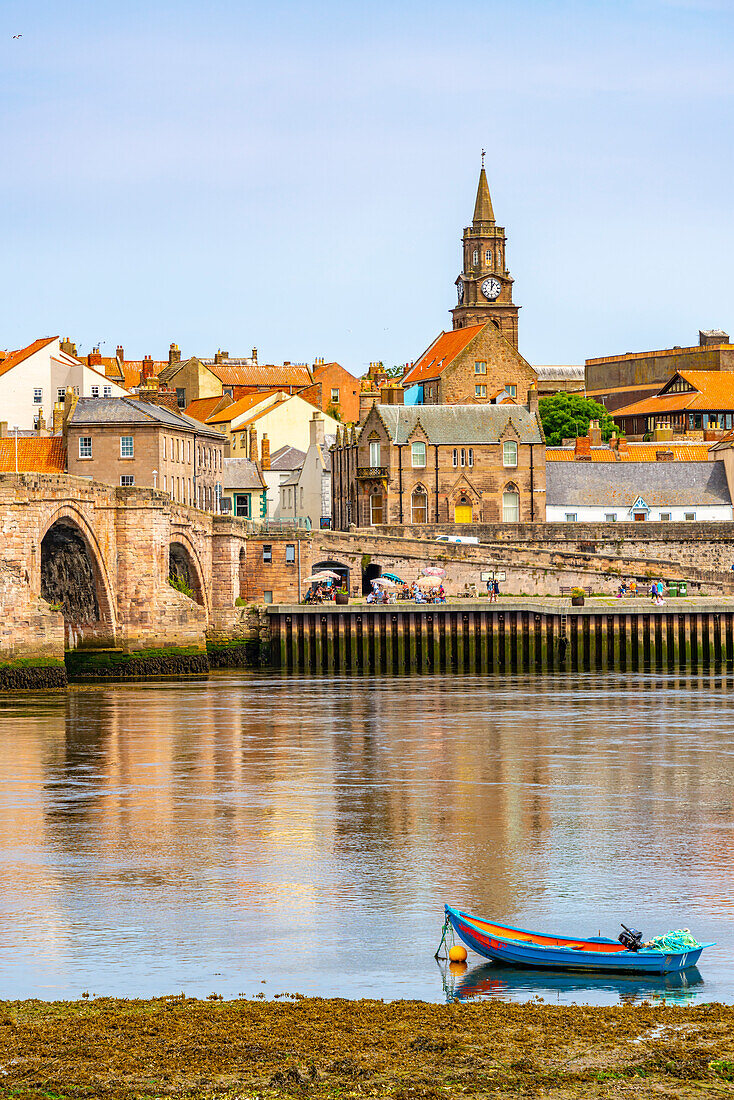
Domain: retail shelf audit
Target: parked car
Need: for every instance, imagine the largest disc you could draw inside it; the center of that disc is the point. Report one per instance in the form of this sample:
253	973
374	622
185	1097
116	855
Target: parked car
472	540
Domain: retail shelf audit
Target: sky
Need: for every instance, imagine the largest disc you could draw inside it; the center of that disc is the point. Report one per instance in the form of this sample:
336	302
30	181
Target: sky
296	176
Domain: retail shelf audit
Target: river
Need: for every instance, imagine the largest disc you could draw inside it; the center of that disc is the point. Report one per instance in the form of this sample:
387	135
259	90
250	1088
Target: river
248	834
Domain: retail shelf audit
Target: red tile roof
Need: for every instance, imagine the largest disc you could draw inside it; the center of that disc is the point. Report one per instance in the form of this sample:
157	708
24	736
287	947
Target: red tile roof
35	455
714	390
638	452
203	407
262	374
244	405
442	351
14	357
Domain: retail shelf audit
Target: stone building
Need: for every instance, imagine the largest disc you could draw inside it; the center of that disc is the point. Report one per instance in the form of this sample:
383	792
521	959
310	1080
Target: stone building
440	464
484	287
122	441
619	380
470	365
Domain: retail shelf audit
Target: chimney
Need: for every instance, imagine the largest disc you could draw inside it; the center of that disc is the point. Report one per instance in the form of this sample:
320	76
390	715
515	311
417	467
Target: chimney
253	444
120	353
316	429
662	433
3	429
594	433
221	356
367	398
265	452
70	403
174	354
623	447
161	395
663	456
582	449
40	425
532	398
58	421
147	370
710	337
254	354
94	359
67	347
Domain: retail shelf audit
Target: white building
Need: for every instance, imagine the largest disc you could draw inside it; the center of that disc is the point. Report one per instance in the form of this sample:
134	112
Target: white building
283	464
604	492
33	379
307	492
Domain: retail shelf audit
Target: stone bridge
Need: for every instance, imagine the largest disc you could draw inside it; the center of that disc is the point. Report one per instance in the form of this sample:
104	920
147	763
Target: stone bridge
87	566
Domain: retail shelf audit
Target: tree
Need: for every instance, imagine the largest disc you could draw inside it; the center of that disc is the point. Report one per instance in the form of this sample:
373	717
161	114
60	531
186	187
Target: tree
567	415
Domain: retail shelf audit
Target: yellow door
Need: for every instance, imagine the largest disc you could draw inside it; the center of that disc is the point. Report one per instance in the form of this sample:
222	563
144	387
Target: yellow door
462	513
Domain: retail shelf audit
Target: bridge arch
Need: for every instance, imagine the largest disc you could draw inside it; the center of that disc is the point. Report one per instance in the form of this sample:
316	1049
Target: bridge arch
74	575
184	564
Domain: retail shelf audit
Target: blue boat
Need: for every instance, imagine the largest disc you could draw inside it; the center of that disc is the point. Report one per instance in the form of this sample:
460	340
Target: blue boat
519	947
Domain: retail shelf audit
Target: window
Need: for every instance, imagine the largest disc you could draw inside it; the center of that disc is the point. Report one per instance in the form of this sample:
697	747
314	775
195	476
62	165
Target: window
290	554
665	515
376	508
571	517
480	391
511	506
267	596
242	505
419	506
335	395
463	456
511	389
85	446
690	515
488	257
127	480
418	454
480	368
37	396
267	553
95	391
126	446
181	397
107	391
470	457
456	456
301	496
164	445
188	450
509	453
374	454
610	517
165	484
475	256
60	393
229	390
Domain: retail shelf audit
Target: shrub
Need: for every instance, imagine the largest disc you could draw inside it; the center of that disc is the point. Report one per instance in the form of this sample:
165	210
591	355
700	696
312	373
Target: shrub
577	592
181	586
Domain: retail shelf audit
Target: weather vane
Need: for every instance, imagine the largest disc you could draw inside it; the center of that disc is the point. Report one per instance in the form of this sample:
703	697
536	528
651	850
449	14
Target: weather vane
483	156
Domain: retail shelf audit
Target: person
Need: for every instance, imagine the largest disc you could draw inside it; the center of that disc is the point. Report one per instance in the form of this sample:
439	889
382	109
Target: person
653	592
496	589
633	587
490	588
660	589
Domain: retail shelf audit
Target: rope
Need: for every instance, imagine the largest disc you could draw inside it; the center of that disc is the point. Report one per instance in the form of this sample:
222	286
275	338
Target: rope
678	940
446	925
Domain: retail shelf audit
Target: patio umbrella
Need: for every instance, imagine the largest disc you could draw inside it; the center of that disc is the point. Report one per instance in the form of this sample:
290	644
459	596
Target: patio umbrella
434	571
394	577
428	582
327	575
385	582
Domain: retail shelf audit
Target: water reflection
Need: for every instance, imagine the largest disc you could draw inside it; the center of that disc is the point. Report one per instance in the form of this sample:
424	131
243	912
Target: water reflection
509	983
307	831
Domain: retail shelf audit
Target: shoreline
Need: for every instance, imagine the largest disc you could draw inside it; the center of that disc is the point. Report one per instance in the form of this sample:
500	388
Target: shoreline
410	1050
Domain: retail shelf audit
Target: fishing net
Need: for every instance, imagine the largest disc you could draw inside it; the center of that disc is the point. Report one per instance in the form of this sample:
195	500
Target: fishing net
678	940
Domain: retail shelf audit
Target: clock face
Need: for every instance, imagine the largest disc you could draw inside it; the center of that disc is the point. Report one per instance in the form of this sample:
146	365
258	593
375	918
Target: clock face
460	292
491	288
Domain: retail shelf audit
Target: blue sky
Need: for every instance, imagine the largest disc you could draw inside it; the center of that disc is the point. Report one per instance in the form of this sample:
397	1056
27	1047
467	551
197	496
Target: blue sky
296	176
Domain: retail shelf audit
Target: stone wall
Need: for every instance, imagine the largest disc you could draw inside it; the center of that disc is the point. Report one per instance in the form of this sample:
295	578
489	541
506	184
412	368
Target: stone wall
275	568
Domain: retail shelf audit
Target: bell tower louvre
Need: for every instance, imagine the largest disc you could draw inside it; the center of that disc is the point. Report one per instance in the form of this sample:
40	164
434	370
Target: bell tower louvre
484	287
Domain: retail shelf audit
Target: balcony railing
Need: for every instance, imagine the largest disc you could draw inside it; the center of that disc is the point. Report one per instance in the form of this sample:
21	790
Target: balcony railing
371	471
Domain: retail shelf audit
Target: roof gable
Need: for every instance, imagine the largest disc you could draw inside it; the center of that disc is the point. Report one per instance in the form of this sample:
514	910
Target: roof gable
440	353
16	357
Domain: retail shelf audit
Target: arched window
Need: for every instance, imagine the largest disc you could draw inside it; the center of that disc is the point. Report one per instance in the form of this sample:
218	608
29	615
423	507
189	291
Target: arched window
418	454
376	509
509	453
419	505
488	257
475	256
511	504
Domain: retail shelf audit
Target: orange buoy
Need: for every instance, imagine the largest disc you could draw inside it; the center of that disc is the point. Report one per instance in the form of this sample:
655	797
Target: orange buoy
457	953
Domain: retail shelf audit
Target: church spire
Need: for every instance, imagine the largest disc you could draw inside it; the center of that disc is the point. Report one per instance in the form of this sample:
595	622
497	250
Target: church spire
483	211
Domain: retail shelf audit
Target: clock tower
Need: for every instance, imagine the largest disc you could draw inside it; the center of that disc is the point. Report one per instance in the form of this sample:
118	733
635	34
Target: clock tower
484	287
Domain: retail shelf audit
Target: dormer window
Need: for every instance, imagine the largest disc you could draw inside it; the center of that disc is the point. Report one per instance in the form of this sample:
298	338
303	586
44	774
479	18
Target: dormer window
375	453
417	454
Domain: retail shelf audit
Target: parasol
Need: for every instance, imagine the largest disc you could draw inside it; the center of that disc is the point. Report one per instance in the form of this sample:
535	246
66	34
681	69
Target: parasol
428	582
385	582
434	571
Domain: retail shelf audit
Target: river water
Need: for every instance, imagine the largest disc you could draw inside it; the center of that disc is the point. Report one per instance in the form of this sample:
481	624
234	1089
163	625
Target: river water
250	834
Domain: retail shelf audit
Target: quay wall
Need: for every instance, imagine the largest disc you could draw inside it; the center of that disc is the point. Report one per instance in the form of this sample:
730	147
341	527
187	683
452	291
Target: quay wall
477	637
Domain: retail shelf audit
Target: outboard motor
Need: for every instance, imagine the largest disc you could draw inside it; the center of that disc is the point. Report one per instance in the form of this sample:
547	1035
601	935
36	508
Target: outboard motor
631	939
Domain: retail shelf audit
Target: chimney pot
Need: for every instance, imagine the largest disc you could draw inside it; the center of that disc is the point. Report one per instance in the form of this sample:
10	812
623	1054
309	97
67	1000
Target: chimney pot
265	452
253	444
